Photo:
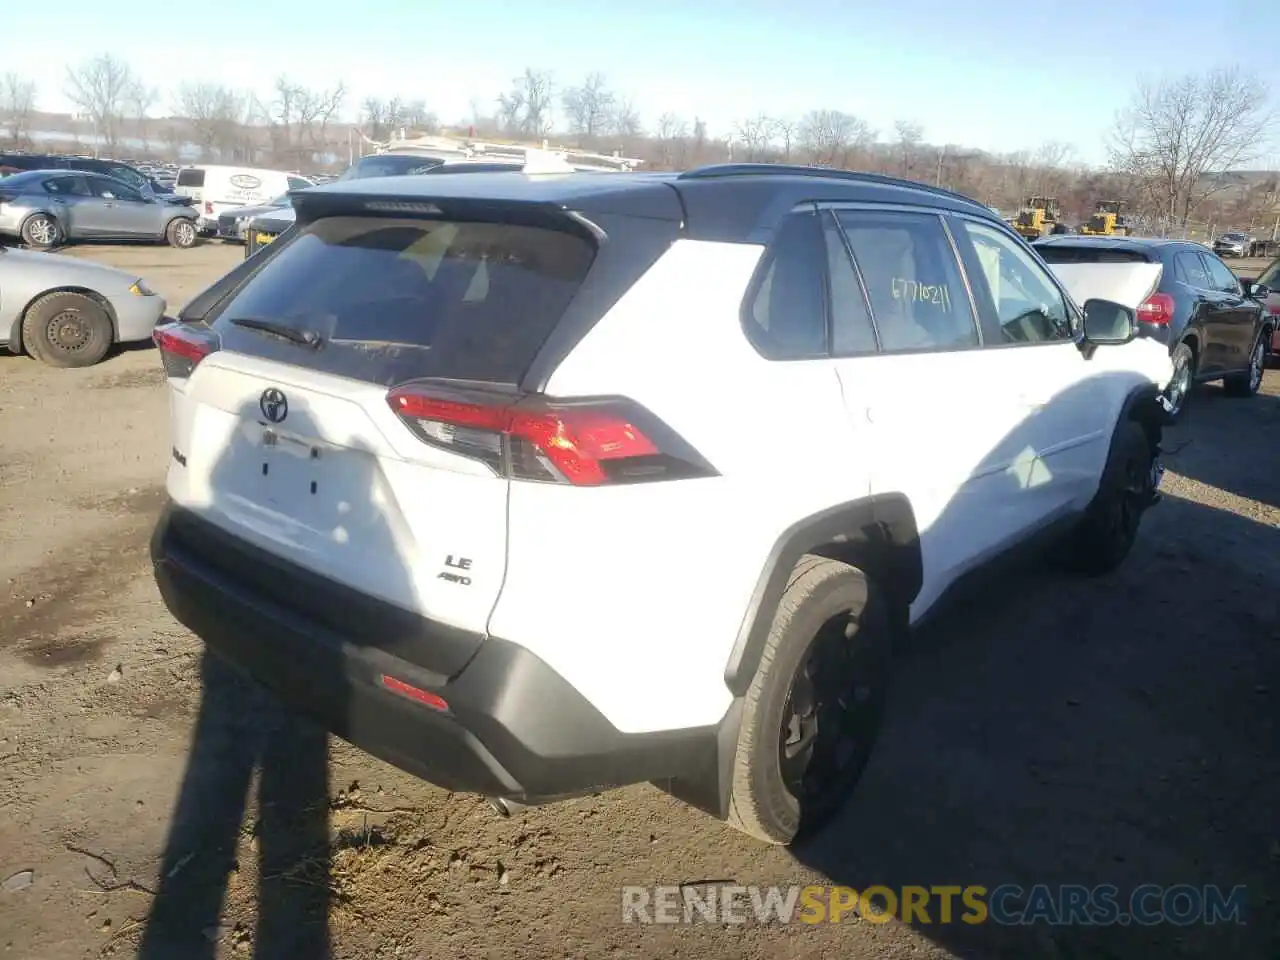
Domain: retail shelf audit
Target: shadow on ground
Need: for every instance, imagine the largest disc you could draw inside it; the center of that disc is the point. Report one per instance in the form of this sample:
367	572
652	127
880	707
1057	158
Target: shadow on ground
1117	732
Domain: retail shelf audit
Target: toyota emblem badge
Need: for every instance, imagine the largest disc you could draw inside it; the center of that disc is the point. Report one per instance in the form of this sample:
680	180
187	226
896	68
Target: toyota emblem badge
274	404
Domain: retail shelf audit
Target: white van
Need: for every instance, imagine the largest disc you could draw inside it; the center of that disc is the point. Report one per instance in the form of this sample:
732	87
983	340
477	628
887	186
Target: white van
216	188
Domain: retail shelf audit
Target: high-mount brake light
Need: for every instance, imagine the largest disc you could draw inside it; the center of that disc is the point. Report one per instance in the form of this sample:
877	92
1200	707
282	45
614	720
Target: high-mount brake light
182	347
582	443
1156	309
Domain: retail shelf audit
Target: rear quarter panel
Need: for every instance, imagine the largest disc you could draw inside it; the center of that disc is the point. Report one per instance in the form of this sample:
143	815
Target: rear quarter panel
635	593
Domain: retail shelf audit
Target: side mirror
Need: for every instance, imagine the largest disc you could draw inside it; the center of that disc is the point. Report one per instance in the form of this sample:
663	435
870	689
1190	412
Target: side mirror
1108	323
1253	289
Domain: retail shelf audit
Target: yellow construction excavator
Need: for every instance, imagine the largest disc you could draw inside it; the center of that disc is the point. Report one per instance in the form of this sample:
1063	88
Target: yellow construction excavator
1107	221
1037	218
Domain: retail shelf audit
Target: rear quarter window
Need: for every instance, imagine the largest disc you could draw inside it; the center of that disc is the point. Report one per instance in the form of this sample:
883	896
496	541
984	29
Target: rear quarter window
395	299
191	178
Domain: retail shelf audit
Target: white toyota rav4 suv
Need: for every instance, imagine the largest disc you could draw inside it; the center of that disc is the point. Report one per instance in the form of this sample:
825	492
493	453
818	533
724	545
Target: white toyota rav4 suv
540	485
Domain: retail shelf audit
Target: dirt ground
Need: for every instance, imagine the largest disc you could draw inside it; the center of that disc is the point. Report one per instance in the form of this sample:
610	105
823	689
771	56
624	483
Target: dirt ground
1121	731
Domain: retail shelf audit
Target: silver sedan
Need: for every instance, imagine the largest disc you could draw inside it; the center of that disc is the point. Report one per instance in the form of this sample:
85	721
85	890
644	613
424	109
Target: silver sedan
68	312
47	207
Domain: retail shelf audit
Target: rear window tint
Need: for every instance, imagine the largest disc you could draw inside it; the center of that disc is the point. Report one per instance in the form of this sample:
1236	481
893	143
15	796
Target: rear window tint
390	166
397	299
191	178
1052	253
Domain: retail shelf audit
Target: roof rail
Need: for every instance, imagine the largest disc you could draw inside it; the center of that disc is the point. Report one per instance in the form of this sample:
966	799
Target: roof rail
716	170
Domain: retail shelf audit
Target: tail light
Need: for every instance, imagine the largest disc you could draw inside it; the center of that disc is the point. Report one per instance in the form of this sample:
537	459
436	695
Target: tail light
208	207
585	443
1157	309
182	346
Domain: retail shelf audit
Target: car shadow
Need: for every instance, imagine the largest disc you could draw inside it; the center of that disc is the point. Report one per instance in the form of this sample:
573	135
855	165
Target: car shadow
1057	730
1221	442
242	728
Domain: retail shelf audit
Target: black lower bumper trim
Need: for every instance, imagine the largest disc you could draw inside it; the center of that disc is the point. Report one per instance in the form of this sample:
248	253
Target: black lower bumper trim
514	728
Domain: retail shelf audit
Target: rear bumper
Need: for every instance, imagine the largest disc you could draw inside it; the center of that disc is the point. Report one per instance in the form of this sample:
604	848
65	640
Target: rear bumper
513	727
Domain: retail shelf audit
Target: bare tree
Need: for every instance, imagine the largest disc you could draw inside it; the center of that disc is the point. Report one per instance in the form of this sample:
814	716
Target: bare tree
217	115
829	137
299	119
786	130
1176	135
17	108
907	148
699	144
626	120
418	118
525	109
100	87
139	99
756	135
589	108
672	135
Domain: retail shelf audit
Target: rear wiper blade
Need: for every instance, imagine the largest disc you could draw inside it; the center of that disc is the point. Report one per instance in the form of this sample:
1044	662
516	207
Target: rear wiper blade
306	338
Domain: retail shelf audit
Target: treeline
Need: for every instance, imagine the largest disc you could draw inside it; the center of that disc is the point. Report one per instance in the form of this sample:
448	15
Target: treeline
1166	149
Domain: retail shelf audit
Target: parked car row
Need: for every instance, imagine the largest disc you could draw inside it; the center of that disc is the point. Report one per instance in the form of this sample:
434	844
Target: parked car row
1215	325
45	208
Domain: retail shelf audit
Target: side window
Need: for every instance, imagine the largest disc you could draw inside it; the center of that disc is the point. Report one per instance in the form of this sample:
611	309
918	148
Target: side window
297	183
1220	275
917	295
1191	270
106	188
1028	305
851	328
127	175
67	187
785	318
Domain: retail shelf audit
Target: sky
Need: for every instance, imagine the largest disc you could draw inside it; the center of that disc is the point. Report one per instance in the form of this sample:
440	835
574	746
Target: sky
1000	75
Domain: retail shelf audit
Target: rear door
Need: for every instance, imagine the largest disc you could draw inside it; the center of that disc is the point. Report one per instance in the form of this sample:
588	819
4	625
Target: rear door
299	448
1205	320
190	183
939	409
124	212
79	211
1237	314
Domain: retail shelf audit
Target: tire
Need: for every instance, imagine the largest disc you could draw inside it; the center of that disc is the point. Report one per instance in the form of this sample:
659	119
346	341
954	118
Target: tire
1184	371
834	624
41	230
1109	528
67	330
1248	383
181	233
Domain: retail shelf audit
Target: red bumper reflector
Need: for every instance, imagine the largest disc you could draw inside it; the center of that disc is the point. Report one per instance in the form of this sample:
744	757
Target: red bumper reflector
414	693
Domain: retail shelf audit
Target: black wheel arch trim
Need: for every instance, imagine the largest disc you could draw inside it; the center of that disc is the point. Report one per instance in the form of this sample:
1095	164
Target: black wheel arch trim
1143	405
878	531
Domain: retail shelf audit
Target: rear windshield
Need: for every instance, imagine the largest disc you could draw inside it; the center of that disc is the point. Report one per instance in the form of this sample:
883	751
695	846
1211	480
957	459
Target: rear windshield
390	166
191	178
395	299
1053	253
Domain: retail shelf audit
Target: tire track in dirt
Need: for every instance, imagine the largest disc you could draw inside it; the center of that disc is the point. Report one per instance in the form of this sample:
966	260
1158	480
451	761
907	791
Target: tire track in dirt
79	583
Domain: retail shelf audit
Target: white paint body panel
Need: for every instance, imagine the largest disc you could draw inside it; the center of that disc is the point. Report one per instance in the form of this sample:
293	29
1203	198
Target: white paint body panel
387	509
654	580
